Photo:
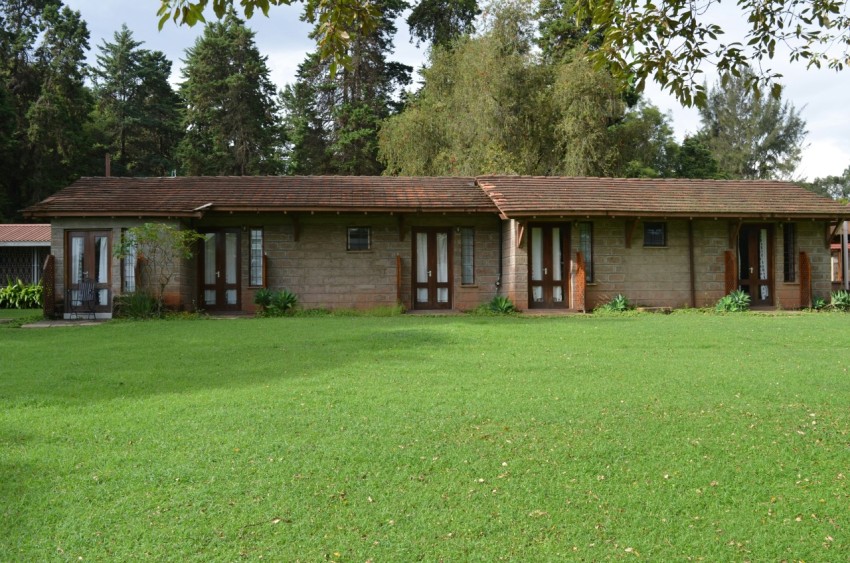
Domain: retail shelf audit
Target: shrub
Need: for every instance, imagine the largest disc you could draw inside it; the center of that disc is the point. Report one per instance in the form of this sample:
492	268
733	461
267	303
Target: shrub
737	301
20	295
137	305
619	304
275	303
840	300
502	305
819	303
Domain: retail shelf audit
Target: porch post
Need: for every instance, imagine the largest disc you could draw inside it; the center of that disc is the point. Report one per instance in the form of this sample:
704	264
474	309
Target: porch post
731	275
581	283
845	267
805	281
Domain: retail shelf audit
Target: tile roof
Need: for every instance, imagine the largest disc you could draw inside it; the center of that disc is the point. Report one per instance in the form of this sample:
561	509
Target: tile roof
527	196
16	234
190	196
511	196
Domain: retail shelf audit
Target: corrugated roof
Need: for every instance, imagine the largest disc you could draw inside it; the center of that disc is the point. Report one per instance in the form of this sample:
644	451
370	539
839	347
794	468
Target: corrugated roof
187	196
526	196
32	233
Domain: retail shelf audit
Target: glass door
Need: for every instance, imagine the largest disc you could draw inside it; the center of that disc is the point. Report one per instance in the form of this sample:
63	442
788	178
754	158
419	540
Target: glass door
219	267
755	263
89	257
432	268
547	276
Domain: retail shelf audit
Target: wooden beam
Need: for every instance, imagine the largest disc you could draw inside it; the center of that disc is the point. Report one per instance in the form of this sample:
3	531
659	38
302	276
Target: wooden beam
734	230
631	224
296	227
830	234
520	232
691	266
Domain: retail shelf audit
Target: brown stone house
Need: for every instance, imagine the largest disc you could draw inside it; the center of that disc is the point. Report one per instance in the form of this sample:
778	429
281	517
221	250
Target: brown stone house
454	243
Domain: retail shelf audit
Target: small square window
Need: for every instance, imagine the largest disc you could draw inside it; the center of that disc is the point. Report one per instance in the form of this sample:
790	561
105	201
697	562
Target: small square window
359	238
655	234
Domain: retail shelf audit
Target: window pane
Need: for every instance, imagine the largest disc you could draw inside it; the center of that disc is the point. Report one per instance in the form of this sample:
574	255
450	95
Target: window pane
101	259
467	255
789	251
230	257
655	234
442	258
130	265
556	255
209	261
256	258
358	238
536	254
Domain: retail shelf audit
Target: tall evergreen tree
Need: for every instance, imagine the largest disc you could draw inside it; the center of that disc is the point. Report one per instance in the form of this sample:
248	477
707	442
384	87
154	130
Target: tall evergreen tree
332	118
42	68
440	22
137	110
750	134
231	108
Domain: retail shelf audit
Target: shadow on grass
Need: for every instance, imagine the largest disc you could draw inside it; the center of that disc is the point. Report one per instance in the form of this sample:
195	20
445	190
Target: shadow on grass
73	366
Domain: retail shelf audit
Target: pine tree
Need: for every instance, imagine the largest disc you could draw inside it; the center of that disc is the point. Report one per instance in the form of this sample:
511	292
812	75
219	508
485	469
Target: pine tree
332	119
137	111
231	108
42	68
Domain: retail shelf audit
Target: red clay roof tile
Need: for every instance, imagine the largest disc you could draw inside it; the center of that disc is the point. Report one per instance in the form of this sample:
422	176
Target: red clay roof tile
526	196
17	233
189	195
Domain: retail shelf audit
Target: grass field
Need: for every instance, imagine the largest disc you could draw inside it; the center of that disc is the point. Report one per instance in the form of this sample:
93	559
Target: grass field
428	438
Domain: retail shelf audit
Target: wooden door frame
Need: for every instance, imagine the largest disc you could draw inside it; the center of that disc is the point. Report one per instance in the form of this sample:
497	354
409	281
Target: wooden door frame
88	249
432	249
751	231
220	286
547	257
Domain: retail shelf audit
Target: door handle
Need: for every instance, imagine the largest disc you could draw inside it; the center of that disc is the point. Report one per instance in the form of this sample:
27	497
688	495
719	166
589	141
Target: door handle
218	273
429	273
751	270
545	271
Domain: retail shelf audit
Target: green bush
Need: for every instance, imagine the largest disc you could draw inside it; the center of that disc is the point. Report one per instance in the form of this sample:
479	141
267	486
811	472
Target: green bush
137	305
20	295
840	300
275	303
736	302
619	304
502	305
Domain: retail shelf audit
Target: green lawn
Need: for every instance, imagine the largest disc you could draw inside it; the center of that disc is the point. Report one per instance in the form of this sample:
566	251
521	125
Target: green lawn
428	438
18	313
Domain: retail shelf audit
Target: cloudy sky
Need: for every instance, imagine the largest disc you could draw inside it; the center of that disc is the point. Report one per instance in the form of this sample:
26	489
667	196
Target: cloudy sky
821	95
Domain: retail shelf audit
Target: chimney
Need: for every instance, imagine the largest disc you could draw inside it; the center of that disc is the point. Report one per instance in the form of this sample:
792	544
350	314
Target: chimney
108	165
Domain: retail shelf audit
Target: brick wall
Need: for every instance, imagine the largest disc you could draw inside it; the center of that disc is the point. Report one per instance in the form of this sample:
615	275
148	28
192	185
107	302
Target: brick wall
323	274
660	276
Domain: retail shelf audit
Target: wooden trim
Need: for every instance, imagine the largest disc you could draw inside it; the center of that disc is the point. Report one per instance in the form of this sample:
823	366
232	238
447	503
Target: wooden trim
730	277
398	278
265	268
631	225
691	267
830	234
296	227
734	231
581	283
520	232
805	281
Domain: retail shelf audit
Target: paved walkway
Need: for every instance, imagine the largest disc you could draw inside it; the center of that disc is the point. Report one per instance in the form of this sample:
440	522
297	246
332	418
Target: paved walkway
61	322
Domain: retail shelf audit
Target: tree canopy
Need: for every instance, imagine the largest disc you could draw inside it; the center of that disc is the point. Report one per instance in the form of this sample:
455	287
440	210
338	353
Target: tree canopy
673	41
